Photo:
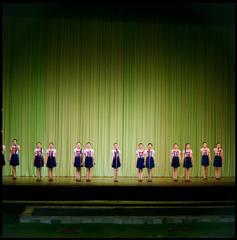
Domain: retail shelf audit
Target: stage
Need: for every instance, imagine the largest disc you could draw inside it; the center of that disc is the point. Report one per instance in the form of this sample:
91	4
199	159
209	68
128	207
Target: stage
159	208
160	189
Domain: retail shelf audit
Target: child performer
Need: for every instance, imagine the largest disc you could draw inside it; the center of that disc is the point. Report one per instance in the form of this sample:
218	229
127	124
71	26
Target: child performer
218	160
51	160
205	152
140	163
38	159
116	161
14	157
187	161
78	160
150	163
2	158
88	161
174	160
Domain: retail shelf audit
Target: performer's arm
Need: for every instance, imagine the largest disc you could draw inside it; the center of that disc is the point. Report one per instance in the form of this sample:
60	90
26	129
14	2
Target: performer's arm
209	154
171	157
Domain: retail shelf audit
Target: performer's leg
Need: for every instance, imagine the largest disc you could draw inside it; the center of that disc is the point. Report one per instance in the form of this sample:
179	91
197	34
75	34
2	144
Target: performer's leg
188	174
216	172
90	173
175	173
38	173
14	171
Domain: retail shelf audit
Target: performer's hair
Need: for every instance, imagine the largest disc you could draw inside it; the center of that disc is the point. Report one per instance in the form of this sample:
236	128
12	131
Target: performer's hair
140	144
204	142
176	144
39	143
150	144
186	145
14	139
88	143
115	143
51	143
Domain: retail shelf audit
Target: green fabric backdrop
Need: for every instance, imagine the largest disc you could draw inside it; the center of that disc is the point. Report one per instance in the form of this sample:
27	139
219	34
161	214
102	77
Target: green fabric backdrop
106	81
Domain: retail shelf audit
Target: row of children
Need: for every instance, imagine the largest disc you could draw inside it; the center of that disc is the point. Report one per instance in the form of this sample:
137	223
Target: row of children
144	159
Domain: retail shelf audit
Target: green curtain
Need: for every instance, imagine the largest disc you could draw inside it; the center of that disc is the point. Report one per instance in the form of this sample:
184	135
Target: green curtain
105	81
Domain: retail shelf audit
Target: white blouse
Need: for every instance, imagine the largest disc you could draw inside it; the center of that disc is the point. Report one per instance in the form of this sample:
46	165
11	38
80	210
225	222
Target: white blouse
188	152
77	152
38	151
140	153
116	152
89	152
218	151
205	151
150	153
175	152
51	152
15	149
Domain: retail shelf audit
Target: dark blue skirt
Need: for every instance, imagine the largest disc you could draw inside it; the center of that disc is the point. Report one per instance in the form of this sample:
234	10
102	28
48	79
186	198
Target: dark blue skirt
39	161
217	161
205	160
51	163
187	162
140	163
175	162
116	163
77	162
14	160
150	162
2	160
88	162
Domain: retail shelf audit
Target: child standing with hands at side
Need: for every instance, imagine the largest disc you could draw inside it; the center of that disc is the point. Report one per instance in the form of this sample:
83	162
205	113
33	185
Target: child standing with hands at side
150	162
51	160
116	161
140	163
174	160
218	160
14	157
88	161
187	161
206	157
38	160
78	160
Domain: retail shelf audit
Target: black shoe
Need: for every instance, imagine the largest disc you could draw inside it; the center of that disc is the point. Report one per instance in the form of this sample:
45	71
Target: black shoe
14	178
205	178
87	180
175	179
38	179
149	180
78	179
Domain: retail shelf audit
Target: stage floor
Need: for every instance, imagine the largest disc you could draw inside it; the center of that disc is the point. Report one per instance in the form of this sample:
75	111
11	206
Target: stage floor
123	181
160	189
